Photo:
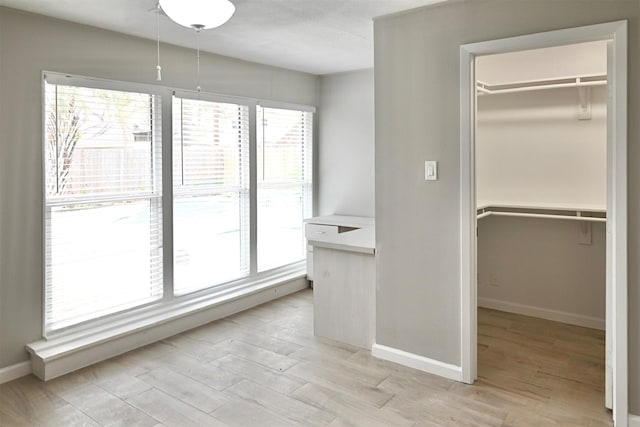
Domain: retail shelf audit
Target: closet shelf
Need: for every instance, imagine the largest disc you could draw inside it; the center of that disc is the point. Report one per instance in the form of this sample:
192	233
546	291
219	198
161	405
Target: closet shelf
591	215
573	81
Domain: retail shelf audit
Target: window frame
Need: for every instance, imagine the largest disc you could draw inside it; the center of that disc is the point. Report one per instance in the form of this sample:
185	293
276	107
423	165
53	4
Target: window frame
229	101
154	196
170	303
308	202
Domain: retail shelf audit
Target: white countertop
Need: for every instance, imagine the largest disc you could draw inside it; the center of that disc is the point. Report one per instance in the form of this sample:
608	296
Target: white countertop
344	220
362	239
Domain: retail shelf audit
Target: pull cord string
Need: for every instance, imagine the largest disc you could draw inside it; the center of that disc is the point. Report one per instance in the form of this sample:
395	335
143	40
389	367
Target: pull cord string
158	67
198	88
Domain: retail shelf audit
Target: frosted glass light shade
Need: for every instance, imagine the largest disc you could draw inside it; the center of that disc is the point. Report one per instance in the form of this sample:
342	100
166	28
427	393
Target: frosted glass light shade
198	14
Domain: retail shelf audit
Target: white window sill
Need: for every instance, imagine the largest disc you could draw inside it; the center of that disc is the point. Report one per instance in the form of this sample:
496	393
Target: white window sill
86	345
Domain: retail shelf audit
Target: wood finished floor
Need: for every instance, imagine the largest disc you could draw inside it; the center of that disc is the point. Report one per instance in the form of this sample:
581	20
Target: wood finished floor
263	367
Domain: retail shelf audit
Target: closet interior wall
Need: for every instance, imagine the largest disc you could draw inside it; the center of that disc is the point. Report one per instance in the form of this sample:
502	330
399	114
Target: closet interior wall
533	150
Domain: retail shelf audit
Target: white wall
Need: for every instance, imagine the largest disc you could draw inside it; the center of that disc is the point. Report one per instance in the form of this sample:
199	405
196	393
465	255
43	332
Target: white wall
417	118
532	149
346	155
32	43
530	146
581	59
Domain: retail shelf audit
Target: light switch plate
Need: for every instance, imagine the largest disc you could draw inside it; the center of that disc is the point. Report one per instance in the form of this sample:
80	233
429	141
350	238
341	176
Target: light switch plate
430	170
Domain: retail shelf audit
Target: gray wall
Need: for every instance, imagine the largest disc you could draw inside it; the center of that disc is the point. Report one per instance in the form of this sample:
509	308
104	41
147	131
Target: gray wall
30	44
417	119
539	263
346	158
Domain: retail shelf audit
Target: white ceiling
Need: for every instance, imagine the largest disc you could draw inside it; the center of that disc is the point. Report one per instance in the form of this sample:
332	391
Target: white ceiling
314	36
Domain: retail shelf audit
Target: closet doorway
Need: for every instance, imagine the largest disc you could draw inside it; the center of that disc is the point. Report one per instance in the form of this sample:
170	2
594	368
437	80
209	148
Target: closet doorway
573	194
541	154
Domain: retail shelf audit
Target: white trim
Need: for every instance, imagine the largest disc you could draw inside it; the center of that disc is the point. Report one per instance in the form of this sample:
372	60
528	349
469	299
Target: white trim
57	78
634	420
542	216
233	99
214	97
468	220
253	190
45	225
543	313
415	361
179	304
608	377
617	208
543	206
543	84
618	216
286	106
58	356
13	372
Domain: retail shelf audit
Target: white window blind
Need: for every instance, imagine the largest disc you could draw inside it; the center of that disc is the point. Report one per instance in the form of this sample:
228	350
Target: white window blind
103	221
211	193
284	158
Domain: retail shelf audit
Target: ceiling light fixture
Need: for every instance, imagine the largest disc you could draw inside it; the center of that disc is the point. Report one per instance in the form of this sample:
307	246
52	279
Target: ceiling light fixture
198	14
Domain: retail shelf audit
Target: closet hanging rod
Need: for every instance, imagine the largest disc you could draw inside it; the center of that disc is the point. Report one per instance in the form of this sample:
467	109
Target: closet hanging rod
548	216
580	81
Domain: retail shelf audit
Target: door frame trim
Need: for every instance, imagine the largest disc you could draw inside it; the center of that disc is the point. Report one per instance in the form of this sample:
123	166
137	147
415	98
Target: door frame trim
616	32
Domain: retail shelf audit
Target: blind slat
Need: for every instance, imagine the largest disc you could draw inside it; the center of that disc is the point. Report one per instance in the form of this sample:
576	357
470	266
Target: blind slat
103	221
211	193
284	158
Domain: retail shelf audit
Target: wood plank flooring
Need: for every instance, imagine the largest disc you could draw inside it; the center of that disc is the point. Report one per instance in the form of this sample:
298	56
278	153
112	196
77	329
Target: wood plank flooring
264	367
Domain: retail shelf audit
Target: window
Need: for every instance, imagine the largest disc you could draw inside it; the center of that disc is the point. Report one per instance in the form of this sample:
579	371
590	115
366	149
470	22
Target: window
284	153
233	216
103	218
211	193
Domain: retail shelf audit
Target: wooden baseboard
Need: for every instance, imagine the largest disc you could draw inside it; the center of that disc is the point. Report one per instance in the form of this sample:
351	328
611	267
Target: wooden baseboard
415	361
543	313
634	420
14	372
